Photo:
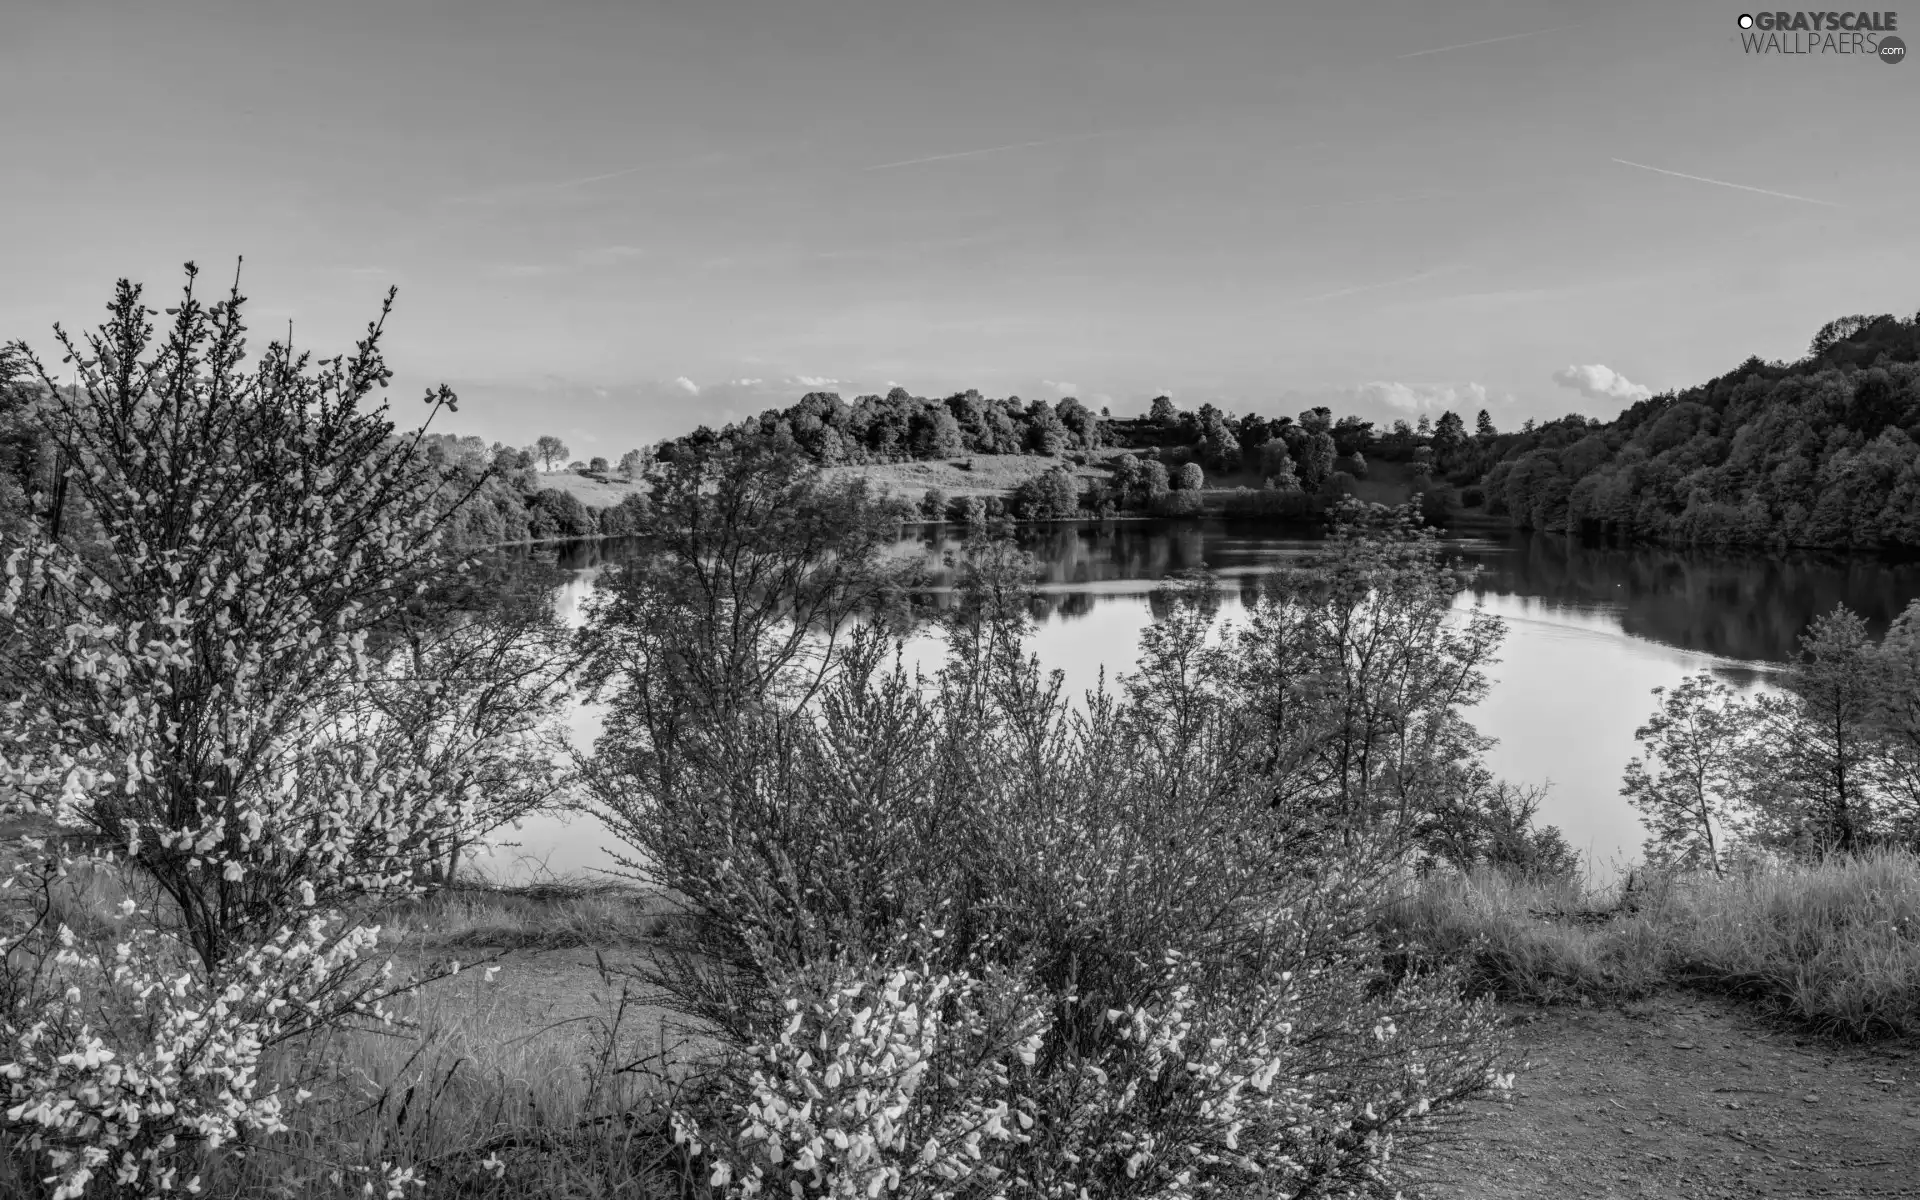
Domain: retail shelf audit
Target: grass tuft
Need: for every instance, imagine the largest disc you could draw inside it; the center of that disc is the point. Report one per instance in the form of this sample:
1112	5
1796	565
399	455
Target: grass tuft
1832	946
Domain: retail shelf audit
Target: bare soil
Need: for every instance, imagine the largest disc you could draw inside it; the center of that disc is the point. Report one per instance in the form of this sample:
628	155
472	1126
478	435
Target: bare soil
1686	1098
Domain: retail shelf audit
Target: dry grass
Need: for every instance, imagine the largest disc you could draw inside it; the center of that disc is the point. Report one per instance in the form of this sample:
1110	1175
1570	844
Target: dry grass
494	1087
594	493
1833	946
552	915
968	475
550	1064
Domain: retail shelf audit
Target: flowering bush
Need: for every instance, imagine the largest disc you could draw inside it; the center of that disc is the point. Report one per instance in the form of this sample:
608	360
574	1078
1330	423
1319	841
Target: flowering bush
876	1083
213	689
120	1058
1220	1011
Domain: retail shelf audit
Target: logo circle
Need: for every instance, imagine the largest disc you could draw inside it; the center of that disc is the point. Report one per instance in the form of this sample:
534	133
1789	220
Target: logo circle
1892	50
1746	20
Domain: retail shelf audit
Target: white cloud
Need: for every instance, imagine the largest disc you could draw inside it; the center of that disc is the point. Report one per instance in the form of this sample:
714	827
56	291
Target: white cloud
743	383
1424	398
1061	386
815	381
1597	382
687	385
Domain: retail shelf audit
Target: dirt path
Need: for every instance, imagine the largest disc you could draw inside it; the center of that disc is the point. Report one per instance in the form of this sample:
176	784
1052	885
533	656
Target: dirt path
1682	1098
1677	1098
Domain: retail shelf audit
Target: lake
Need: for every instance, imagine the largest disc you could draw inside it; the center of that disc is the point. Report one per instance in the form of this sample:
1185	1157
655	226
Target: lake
1591	630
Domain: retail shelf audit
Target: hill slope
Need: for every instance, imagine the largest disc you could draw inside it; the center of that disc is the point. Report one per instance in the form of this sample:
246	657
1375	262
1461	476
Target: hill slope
1823	452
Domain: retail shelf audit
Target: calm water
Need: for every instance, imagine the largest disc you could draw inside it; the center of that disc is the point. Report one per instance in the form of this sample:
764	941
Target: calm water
1590	632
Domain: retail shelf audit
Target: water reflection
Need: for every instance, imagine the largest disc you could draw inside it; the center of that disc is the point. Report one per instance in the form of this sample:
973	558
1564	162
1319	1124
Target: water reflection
1740	606
1591	630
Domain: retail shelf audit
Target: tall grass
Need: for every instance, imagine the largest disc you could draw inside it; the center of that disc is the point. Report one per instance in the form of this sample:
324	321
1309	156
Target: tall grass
1832	945
552	915
489	1097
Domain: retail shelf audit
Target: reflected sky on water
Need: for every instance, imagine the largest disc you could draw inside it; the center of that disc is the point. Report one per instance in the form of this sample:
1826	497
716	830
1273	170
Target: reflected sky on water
1591	630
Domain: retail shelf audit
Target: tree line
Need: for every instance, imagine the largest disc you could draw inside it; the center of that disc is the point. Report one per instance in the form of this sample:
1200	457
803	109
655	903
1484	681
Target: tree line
1821	452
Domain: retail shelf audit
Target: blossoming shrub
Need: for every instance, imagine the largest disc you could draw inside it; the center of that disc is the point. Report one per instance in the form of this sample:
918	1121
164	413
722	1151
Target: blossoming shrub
1220	1011
121	1055
209	683
877	1082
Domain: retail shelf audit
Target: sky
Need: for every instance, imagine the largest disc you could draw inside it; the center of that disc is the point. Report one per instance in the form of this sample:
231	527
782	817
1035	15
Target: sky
612	221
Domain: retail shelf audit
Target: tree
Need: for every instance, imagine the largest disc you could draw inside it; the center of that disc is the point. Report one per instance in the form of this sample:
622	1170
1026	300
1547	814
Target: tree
1317	466
1352	436
936	434
1817	748
1838	330
1896	720
752	571
1045	432
1219	443
1084	430
1049	496
1689	785
632	463
1353	678
1449	436
549	450
1483	426
1277	466
1153	479
933	505
598	465
1190	478
1162	411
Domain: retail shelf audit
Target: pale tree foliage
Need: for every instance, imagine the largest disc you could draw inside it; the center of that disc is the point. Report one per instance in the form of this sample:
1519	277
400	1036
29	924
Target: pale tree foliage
1818	760
211	692
1895	716
1826	762
754	571
1690	785
1352	672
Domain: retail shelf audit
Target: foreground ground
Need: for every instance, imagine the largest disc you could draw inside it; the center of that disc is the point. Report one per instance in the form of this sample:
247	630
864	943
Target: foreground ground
1684	1098
1677	1097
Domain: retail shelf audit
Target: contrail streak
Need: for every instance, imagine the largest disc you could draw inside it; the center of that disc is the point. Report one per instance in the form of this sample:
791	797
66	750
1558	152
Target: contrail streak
1723	183
1372	287
1484	42
929	158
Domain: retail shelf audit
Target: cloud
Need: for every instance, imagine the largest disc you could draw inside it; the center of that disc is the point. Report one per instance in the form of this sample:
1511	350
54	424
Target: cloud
1061	386
1422	398
1597	382
744	383
687	385
815	381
